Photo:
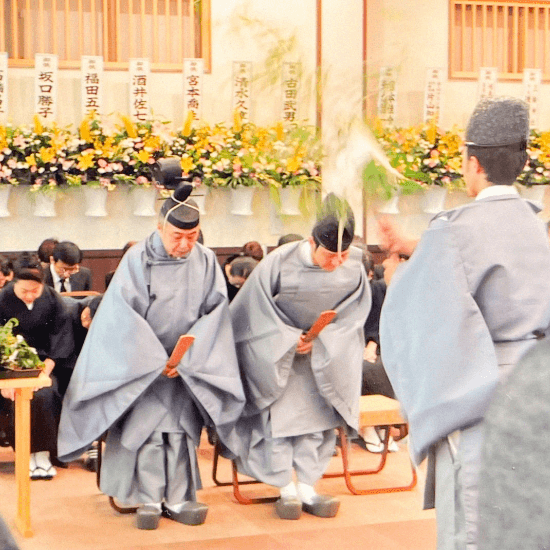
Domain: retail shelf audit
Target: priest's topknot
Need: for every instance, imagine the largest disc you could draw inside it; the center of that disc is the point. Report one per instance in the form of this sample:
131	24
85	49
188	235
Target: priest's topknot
498	122
180	210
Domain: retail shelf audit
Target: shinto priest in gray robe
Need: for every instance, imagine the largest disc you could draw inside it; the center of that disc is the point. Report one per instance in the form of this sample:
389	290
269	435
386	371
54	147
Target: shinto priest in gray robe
289	394
457	317
463	309
118	384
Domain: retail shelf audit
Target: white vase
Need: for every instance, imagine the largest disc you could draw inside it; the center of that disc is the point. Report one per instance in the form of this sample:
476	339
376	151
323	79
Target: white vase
143	201
44	205
534	193
433	200
200	199
391	206
241	201
290	201
96	199
4	196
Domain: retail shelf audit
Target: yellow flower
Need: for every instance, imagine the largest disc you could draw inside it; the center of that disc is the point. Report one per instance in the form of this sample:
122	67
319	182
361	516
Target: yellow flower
237	121
431	133
280	131
143	156
31	161
293	163
3	140
130	128
38	128
188	124
86	161
187	164
152	142
85	131
47	154
544	141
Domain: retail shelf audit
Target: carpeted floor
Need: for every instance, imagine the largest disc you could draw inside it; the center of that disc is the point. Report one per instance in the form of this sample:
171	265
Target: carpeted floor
70	513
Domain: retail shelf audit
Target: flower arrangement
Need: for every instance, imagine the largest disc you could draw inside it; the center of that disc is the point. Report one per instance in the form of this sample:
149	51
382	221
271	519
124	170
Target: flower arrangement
291	157
537	169
106	153
424	153
15	353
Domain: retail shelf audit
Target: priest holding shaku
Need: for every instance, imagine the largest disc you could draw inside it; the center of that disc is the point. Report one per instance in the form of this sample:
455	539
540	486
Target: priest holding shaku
132	380
301	386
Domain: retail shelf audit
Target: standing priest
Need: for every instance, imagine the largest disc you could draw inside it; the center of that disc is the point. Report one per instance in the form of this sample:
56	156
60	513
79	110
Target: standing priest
165	286
298	392
473	297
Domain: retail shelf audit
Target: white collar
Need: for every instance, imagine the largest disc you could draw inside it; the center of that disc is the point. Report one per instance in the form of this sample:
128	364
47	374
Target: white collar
496	190
56	278
305	252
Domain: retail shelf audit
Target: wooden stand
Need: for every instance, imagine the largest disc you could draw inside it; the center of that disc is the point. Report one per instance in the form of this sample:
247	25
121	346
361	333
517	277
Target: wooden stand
23	395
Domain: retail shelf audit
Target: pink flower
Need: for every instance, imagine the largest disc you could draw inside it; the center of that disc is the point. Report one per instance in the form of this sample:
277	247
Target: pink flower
19	141
141	180
102	163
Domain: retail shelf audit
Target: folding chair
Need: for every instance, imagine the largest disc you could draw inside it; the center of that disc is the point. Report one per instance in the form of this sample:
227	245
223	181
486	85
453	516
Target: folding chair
375	410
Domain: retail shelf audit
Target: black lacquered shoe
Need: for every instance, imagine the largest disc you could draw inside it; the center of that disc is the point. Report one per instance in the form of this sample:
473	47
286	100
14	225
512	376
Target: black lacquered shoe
192	513
148	517
288	508
323	506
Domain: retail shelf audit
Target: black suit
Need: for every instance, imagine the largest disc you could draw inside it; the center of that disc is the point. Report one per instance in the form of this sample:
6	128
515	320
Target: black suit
82	280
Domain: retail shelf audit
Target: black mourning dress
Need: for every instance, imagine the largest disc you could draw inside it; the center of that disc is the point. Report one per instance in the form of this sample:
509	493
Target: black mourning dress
43	327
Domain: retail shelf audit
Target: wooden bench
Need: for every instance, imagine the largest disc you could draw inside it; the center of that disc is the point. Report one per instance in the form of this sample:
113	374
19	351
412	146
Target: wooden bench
375	410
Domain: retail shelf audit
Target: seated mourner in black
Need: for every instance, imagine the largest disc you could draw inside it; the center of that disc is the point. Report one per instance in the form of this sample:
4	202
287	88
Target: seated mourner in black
65	273
42	322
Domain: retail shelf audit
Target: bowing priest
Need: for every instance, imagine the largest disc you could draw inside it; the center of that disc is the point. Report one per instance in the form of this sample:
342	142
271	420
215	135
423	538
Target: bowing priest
298	392
165	286
458	315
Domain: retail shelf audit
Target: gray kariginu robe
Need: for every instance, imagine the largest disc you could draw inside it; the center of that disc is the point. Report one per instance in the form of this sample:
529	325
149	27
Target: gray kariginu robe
457	317
118	384
291	395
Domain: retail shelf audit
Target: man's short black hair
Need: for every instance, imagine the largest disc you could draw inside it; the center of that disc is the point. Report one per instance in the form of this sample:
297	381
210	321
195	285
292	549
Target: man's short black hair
242	266
67	252
289	238
6	266
45	250
501	164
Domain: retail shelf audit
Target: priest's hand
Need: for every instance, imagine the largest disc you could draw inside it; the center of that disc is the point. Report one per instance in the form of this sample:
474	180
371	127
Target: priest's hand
392	240
303	348
170	372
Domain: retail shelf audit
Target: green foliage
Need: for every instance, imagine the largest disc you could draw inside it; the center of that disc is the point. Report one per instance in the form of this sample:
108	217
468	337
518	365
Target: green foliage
15	353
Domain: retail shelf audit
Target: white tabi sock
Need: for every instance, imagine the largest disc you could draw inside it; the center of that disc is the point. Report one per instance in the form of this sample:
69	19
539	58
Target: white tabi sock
306	493
176	508
42	460
32	462
289	491
156	505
